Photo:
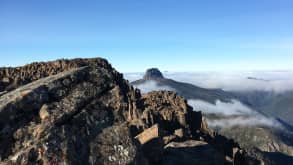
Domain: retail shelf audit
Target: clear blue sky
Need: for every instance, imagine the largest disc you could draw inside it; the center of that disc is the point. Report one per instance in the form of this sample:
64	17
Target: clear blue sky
173	35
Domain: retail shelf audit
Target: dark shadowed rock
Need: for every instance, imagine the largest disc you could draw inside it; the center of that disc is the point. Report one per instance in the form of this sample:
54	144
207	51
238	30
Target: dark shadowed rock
192	151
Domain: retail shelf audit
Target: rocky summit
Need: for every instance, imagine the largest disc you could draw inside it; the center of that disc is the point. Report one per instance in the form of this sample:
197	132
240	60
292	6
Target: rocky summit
153	73
82	111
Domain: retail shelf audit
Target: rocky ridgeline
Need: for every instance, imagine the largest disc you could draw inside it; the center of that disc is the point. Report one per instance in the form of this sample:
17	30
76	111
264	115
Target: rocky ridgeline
82	111
11	78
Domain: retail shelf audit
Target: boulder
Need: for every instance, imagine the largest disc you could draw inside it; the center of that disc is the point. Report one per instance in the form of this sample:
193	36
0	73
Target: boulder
148	134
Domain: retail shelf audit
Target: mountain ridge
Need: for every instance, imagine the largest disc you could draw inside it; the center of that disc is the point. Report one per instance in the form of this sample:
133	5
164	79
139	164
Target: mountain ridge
82	111
189	91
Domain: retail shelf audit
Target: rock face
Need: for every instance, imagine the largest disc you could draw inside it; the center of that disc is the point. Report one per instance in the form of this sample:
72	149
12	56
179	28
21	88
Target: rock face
153	73
82	111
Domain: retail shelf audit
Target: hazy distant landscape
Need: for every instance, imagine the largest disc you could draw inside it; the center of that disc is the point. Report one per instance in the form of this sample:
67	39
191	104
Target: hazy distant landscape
275	81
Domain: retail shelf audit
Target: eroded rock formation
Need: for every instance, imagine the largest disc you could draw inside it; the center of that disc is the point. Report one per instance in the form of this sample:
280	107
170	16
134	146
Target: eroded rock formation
82	111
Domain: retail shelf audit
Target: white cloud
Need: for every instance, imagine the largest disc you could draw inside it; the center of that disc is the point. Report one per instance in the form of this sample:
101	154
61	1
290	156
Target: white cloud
242	121
278	81
225	108
232	114
152	86
133	76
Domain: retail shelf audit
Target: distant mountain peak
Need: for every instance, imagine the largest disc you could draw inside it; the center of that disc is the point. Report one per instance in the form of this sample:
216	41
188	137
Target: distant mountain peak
153	73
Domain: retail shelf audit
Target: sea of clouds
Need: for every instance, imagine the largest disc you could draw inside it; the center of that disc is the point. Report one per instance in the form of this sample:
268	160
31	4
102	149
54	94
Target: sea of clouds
277	81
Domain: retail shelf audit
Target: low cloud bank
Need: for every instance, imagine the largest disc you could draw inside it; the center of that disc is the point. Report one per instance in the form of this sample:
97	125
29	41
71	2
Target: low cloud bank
231	114
243	121
277	81
228	109
152	86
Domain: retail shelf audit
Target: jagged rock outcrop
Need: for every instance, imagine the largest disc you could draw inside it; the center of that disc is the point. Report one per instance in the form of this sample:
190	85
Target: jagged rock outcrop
82	111
11	78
